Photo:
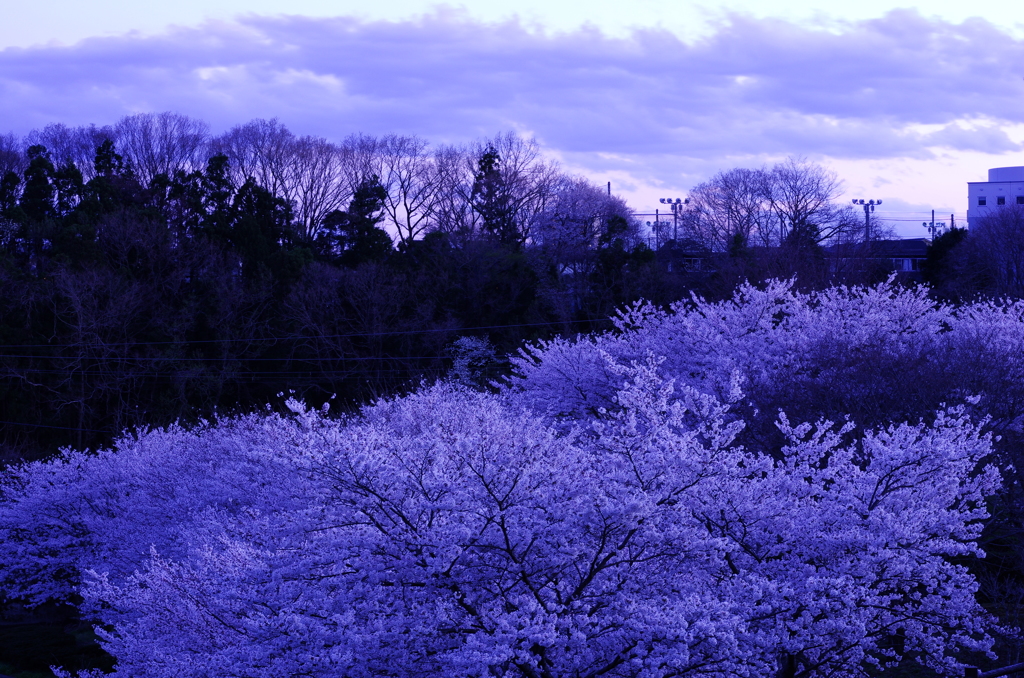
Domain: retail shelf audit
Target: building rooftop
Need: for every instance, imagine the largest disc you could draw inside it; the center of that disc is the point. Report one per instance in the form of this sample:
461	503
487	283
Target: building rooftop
1006	174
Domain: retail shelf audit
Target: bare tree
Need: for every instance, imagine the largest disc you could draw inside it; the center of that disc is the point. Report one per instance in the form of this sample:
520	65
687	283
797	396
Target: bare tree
411	177
310	172
527	186
71	145
731	209
11	157
162	143
766	207
258	150
803	196
97	310
360	158
367	326
318	182
997	248
451	210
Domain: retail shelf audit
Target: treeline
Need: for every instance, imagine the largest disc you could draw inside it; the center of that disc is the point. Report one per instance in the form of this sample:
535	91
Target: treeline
517	194
151	272
786	220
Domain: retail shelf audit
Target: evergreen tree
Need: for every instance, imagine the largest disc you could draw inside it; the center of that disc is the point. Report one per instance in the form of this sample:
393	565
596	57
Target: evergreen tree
490	199
260	227
938	268
113	186
352	237
37	197
107	162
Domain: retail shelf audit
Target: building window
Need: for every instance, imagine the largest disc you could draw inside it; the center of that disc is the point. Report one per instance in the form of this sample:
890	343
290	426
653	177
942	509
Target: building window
981	201
1001	200
1020	199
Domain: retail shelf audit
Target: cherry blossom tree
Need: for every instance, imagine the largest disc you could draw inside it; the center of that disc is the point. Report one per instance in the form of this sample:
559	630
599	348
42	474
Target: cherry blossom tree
451	532
879	353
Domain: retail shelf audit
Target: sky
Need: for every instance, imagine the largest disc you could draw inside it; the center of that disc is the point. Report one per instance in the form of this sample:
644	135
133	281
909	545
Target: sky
905	102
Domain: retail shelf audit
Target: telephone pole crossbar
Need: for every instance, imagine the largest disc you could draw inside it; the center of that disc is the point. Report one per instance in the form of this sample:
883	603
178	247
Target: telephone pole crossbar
869	207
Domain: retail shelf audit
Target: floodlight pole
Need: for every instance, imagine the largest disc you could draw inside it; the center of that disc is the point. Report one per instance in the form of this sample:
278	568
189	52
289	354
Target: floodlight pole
869	207
677	207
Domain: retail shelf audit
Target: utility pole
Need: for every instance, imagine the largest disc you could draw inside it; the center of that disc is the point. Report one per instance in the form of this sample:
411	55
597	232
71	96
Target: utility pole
656	228
935	226
869	207
932	228
677	208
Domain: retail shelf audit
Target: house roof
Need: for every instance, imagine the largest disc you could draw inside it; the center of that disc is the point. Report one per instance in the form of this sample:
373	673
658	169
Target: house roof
904	248
908	248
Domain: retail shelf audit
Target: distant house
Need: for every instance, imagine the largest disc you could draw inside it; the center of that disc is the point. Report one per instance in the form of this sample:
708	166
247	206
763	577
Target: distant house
1005	186
686	256
901	256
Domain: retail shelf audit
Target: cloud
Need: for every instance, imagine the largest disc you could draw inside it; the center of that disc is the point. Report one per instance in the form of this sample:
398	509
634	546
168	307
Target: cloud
895	87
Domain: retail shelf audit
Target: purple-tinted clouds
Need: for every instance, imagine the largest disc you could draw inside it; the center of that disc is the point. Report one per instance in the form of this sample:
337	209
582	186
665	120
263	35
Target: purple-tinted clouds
884	88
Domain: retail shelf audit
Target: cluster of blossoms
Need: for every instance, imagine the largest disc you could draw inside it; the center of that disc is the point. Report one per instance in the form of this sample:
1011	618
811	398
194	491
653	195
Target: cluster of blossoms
596	517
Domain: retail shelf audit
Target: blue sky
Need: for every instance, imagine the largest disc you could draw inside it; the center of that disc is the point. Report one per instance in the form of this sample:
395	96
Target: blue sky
906	103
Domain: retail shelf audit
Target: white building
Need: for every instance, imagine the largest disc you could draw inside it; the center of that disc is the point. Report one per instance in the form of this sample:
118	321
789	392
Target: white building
1005	186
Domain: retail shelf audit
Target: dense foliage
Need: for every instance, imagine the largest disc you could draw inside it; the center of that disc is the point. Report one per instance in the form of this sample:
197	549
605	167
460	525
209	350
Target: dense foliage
150	272
595	516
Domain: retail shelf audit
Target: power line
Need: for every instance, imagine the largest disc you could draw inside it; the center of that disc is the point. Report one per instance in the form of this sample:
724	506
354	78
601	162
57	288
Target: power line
189	359
238	373
310	337
62	428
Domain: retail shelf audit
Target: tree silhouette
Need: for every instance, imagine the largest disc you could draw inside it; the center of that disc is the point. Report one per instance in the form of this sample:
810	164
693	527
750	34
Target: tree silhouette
352	237
491	200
